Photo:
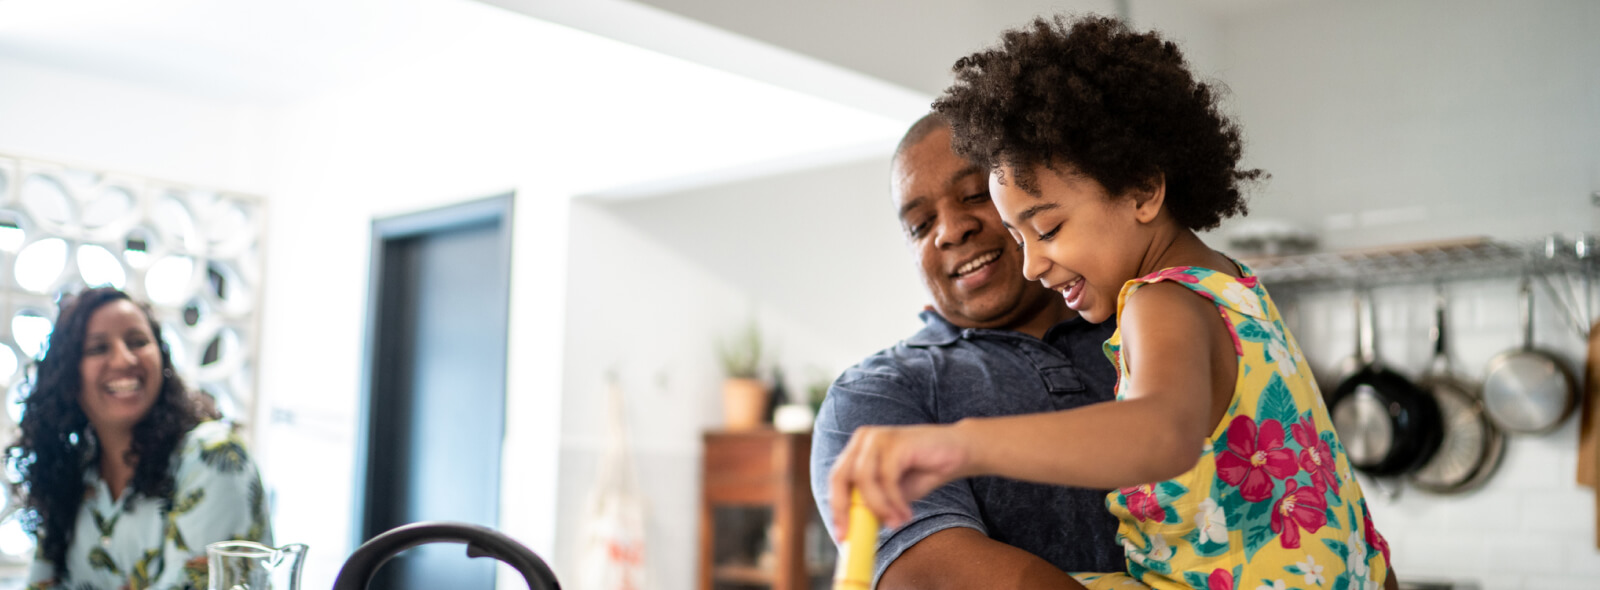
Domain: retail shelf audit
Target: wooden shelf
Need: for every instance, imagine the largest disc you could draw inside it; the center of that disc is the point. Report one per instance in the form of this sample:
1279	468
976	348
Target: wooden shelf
742	574
766	469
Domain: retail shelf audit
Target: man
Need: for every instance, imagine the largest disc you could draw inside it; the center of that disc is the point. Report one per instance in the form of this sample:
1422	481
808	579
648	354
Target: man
994	344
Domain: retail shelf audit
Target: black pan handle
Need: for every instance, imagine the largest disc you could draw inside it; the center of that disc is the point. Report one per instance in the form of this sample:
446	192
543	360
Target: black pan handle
481	542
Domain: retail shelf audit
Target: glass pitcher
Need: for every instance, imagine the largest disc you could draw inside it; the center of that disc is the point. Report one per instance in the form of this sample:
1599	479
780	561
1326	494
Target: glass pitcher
243	565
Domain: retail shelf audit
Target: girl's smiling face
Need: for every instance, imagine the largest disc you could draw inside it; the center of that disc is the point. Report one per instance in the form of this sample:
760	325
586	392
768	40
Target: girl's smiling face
1076	238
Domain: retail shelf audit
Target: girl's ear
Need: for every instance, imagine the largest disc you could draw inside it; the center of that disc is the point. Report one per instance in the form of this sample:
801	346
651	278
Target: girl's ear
1149	198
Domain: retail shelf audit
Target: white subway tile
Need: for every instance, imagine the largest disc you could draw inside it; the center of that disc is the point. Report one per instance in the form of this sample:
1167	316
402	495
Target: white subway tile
1582	556
1436	554
1558	512
1530	553
1483	510
1561	583
1495	582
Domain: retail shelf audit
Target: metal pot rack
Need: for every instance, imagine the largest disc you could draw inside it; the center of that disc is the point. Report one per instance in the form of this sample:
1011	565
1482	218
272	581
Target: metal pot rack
1565	267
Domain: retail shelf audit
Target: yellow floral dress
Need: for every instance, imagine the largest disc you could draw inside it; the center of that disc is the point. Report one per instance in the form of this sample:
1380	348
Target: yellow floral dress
1271	505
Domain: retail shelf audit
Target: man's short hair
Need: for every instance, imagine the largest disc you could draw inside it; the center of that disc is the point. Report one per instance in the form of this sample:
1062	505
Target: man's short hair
927	124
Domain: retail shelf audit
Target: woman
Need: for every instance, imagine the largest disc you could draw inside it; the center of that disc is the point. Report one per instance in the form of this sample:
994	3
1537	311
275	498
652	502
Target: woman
124	485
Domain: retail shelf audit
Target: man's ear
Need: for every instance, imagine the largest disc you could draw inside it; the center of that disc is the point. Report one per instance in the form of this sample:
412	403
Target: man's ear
1149	198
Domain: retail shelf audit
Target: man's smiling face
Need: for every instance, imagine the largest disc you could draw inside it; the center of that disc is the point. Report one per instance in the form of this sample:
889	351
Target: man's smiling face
968	260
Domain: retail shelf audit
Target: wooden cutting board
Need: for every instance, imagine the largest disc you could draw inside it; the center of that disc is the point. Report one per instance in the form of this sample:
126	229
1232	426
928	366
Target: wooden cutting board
1589	409
1589	426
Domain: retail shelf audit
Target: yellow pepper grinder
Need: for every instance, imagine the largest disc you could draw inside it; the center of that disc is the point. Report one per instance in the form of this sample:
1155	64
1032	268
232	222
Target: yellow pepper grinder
860	548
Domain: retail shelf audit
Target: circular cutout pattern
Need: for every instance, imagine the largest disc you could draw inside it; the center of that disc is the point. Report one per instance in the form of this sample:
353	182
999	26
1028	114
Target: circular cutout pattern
11	233
40	264
31	331
8	362
114	203
46	199
167	283
100	267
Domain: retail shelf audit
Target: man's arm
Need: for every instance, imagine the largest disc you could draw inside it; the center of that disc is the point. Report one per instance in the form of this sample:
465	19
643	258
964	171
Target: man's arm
961	558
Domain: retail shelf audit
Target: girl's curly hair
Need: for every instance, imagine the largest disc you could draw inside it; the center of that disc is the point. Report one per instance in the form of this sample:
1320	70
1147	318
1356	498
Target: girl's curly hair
57	444
1091	96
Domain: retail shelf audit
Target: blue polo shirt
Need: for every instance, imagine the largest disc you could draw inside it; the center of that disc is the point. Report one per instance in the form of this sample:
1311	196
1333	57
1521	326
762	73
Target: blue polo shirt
943	374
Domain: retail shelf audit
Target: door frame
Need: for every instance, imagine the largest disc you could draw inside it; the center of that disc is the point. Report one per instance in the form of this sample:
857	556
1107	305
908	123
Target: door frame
498	210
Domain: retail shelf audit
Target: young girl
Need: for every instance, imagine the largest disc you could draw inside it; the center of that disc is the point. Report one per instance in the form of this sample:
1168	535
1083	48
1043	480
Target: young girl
1106	156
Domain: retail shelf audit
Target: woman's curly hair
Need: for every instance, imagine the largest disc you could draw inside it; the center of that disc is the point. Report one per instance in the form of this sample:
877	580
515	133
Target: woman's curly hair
57	445
1094	97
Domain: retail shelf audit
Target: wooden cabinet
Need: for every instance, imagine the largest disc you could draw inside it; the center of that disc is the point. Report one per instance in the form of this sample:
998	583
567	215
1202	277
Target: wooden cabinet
760	475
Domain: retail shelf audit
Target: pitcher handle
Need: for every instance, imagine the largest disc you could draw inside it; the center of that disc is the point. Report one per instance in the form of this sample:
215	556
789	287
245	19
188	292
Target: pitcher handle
481	542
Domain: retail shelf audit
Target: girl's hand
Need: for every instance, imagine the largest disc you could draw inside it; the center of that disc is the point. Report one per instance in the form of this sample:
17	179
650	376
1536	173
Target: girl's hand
892	466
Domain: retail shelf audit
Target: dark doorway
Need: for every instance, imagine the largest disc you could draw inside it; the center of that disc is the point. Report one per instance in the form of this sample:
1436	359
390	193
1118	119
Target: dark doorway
433	415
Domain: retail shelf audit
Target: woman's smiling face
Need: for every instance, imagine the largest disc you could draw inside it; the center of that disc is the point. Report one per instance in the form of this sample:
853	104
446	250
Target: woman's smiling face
1077	239
120	368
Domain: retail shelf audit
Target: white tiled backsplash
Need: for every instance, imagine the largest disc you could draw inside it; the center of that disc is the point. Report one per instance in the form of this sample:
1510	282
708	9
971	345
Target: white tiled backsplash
1530	527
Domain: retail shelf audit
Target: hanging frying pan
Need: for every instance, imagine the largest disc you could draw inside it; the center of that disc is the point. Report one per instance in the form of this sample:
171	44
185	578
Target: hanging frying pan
1388	426
1527	390
1471	446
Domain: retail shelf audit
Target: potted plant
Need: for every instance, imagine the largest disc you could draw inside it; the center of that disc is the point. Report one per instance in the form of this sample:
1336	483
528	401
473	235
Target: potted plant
744	396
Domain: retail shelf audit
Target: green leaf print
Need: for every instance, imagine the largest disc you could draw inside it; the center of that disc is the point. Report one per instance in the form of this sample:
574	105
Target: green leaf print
100	560
1294	569
1168	491
1171	516
1277	403
187	503
1232	504
1333	519
1137	571
1252	331
106	527
140	579
1257	527
226	456
1333	443
1338	549
1342	582
1197	580
1206	548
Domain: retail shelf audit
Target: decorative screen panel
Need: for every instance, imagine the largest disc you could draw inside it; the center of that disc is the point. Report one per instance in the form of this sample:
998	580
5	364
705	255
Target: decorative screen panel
193	254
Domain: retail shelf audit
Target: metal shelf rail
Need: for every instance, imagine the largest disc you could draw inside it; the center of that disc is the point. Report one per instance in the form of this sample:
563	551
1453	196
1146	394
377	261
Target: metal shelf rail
1565	268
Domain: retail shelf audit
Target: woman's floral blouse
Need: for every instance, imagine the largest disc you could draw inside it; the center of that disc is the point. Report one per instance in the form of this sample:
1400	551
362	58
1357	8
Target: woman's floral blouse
137	542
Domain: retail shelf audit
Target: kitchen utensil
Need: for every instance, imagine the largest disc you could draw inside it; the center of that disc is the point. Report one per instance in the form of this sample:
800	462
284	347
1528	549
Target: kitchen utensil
1527	390
244	565
1387	425
860	547
481	542
1589	422
1471	446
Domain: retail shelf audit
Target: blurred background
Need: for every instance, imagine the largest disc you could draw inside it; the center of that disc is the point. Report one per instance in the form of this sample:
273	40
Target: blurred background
658	175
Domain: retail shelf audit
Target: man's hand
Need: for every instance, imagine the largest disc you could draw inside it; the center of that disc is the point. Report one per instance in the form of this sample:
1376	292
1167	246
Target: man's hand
961	559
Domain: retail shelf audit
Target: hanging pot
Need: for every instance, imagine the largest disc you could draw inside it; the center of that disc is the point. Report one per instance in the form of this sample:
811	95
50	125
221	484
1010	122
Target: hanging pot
1471	446
1528	390
1387	424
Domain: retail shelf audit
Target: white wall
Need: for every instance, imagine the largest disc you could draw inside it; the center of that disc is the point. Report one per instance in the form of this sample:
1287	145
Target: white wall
1398	121
124	126
814	257
1385	122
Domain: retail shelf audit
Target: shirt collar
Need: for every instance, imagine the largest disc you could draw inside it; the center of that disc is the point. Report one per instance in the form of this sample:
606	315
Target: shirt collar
937	331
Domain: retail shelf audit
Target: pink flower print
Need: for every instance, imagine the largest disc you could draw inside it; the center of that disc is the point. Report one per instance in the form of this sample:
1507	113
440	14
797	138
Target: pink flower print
1249	282
1254	458
1299	508
1142	503
1373	537
1316	458
1220	579
1176	273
